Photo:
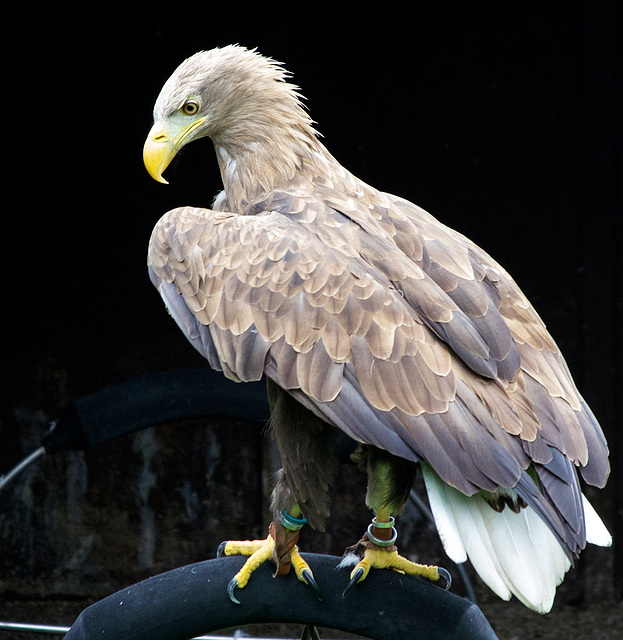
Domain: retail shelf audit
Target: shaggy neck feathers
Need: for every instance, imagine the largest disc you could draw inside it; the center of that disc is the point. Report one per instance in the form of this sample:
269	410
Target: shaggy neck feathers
260	155
263	136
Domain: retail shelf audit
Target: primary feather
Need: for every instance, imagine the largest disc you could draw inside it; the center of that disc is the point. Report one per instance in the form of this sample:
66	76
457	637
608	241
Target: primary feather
378	320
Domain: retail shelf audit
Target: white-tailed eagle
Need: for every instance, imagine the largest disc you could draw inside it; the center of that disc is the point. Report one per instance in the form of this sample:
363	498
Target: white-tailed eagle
367	314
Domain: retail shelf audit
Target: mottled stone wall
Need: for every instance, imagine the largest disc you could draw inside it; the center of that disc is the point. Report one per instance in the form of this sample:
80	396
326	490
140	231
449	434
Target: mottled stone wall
86	523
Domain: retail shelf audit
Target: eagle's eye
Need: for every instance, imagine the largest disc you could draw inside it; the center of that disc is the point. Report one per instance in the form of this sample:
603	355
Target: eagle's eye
190	107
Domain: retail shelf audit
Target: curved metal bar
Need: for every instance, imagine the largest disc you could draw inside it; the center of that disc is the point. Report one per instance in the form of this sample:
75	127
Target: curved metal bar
7	477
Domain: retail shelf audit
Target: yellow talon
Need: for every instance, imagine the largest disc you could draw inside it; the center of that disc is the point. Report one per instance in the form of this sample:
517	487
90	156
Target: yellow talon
258	551
298	563
244	547
303	572
361	570
383	559
391	560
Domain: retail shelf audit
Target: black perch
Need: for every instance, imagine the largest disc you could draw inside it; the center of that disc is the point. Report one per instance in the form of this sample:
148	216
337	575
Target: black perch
192	600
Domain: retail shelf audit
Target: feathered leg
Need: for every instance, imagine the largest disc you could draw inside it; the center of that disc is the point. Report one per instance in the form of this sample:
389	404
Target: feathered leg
390	480
301	492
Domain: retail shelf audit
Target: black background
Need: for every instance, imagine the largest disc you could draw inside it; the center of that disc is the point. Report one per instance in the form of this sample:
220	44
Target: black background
502	119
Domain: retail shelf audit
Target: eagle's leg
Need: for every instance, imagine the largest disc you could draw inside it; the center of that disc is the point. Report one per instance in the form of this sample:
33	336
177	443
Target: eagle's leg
285	532
389	482
280	546
301	491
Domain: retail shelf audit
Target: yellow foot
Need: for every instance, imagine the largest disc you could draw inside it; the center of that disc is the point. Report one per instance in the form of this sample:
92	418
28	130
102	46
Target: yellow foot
375	558
259	551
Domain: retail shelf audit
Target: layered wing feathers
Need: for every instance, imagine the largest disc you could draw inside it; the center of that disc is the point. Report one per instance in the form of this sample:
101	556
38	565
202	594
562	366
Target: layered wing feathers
390	326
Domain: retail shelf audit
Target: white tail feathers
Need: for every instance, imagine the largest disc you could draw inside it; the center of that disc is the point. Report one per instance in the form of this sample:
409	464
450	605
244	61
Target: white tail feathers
513	553
596	532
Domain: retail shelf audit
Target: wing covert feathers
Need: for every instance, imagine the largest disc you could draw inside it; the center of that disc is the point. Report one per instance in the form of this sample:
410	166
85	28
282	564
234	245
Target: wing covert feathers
303	291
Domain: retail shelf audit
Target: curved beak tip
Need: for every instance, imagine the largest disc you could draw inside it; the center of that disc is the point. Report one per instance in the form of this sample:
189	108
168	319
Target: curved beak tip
162	144
159	178
157	153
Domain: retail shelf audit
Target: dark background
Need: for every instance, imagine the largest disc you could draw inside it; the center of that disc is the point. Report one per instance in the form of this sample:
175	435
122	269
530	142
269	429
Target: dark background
502	119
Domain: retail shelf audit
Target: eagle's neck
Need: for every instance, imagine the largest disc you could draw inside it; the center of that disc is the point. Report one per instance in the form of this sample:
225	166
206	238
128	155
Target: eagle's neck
258	160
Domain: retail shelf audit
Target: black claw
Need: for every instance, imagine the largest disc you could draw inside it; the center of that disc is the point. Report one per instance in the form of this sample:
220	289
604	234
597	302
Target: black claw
443	573
233	583
353	581
306	573
221	548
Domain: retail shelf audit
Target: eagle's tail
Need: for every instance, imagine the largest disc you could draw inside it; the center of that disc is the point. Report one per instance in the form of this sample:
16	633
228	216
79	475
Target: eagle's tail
514	553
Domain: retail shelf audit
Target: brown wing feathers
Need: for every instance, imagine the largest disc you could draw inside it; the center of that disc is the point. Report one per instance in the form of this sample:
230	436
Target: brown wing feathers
265	274
442	340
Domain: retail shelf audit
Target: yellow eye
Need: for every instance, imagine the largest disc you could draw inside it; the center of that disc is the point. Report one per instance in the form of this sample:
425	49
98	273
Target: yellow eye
190	107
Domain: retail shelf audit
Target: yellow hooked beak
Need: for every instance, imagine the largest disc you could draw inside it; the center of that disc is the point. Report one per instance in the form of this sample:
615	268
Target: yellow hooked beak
162	145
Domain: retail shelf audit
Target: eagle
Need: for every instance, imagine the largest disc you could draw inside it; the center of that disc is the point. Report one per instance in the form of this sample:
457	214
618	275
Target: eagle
366	314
